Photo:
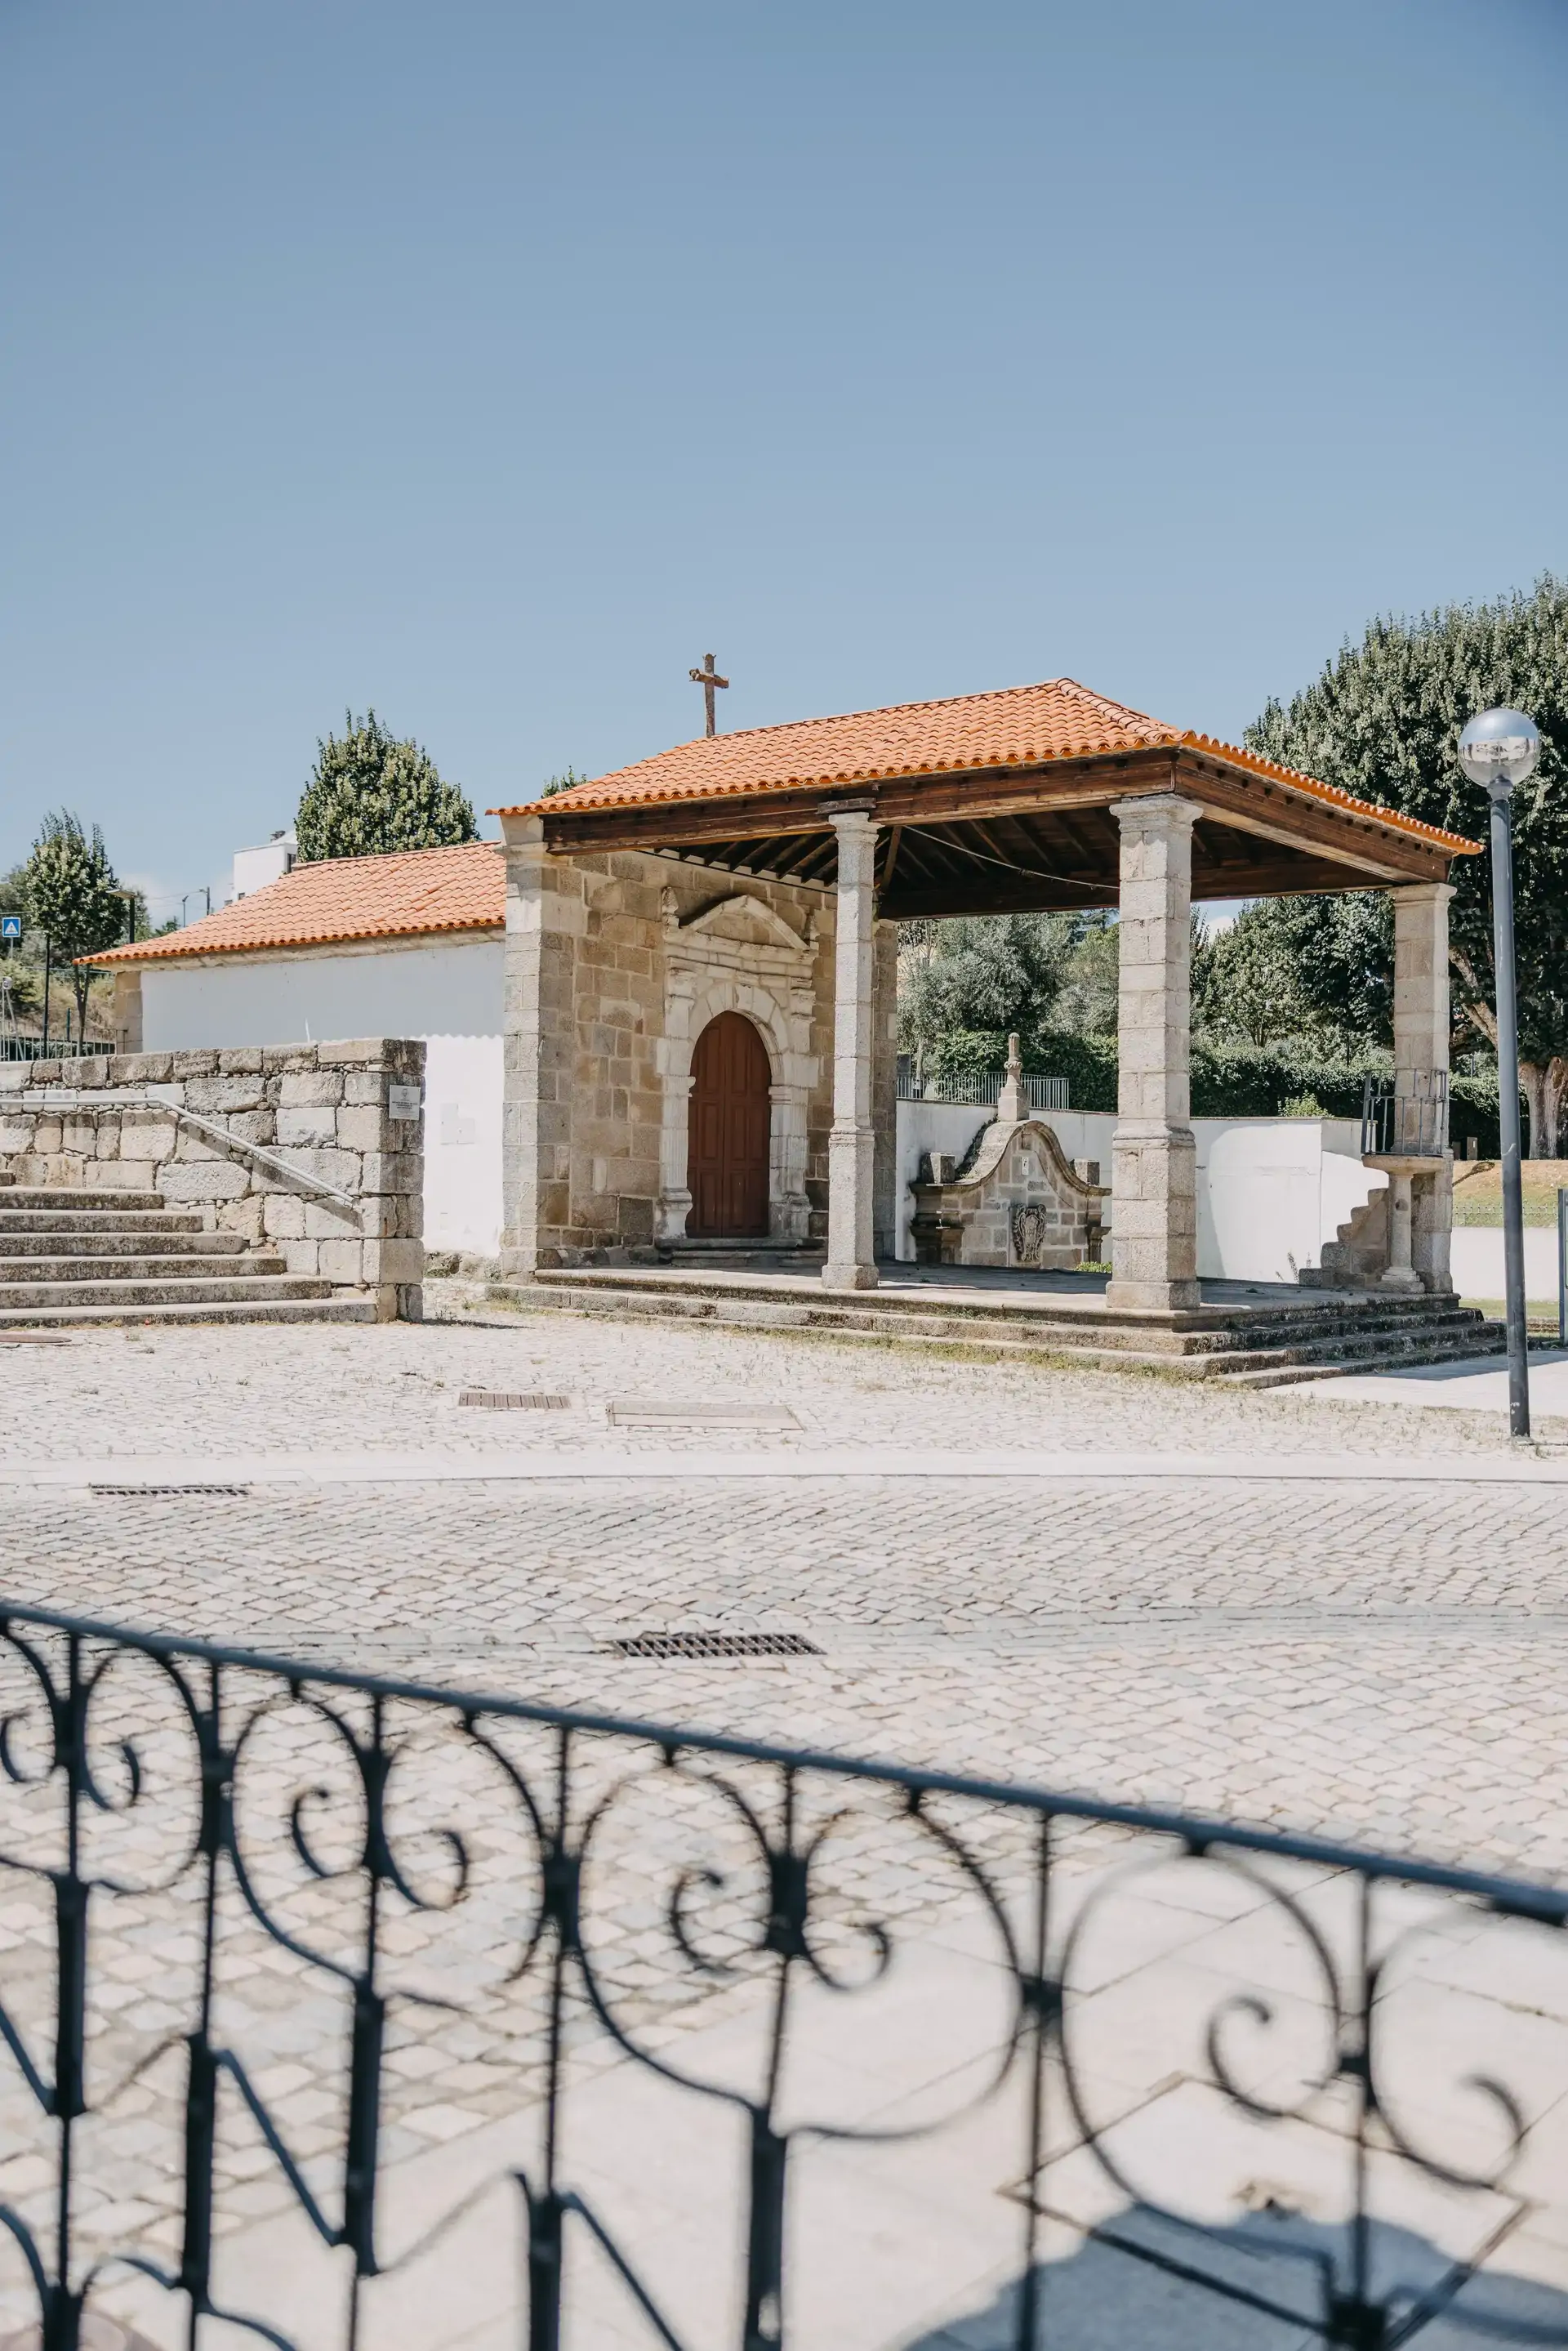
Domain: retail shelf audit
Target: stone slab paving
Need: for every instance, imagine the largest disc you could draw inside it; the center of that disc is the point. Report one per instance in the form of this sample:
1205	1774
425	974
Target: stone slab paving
1378	1657
1477	1385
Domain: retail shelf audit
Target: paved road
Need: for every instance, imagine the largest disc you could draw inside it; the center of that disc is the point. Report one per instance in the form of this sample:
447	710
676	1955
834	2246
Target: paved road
1381	1658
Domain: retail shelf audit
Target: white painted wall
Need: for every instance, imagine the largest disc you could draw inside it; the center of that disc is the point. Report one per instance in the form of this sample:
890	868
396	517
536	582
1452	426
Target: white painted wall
385	989
1477	1261
463	1144
448	993
1270	1191
255	868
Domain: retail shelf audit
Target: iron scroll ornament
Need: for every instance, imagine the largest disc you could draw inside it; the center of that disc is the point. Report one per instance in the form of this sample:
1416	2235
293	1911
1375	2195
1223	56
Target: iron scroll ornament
774	1913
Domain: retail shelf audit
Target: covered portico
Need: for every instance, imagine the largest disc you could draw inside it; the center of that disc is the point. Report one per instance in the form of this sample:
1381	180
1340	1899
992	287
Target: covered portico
1046	797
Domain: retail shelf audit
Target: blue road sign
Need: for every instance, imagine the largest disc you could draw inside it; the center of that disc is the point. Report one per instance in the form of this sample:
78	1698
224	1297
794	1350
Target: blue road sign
10	927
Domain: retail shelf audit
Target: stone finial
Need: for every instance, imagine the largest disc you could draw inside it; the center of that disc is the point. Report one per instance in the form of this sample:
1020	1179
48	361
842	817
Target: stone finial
1012	1103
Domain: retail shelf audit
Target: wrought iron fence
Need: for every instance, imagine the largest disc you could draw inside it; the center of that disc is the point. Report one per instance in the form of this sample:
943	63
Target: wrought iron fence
754	1936
1404	1116
979	1087
58	1048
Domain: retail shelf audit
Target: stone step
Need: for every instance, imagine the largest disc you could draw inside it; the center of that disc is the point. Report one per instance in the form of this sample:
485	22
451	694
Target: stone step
1207	1331
28	1272
222	1289
1086	1309
343	1306
99	1220
113	1242
743	1261
1272	1348
1280	1376
74	1195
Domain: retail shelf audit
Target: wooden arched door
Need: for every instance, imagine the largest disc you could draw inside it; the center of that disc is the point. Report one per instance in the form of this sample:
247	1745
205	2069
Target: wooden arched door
727	1135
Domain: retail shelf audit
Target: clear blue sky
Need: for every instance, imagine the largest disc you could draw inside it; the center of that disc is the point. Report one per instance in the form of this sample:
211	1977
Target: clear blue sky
491	362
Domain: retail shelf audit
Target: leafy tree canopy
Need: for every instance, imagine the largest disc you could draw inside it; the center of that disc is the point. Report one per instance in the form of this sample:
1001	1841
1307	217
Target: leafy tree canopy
1320	969
71	893
371	793
1383	721
984	976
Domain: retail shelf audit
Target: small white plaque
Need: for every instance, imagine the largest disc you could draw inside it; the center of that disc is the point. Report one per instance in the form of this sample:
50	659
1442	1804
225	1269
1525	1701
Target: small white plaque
403	1102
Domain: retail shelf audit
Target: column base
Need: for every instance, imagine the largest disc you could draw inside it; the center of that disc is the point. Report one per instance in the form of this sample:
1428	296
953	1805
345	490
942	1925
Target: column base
671	1210
523	1264
1404	1278
848	1277
1153	1297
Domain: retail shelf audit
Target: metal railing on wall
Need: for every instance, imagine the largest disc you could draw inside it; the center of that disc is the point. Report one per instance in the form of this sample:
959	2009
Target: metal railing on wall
1406	1116
114	1101
325	1835
69	1048
977	1087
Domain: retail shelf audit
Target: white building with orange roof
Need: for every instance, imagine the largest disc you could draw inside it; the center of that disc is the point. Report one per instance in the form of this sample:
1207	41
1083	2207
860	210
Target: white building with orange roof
410	944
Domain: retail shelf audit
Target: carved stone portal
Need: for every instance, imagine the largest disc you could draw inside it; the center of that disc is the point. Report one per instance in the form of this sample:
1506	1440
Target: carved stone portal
739	956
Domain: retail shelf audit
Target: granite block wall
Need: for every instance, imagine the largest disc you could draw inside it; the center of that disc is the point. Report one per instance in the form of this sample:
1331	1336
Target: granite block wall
589	998
326	1110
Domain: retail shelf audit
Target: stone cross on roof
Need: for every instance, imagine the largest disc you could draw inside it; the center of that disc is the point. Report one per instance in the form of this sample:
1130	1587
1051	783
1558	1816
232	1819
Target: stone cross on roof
708	677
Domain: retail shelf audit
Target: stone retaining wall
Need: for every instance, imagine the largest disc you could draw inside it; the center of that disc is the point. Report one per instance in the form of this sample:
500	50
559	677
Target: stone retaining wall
325	1109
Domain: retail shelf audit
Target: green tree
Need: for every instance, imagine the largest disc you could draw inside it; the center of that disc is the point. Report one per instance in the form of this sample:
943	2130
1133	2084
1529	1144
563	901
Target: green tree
1314	969
978	977
1383	721
555	784
71	893
371	793
1087	999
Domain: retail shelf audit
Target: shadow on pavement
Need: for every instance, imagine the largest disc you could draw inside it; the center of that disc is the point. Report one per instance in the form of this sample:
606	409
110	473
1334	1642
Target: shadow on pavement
1104	2299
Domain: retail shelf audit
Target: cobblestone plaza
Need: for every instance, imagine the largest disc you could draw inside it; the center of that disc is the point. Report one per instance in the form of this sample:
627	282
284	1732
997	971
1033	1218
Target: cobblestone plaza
1340	1617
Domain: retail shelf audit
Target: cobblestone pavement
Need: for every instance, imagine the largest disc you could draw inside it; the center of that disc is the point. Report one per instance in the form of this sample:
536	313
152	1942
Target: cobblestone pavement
276	1387
1380	1661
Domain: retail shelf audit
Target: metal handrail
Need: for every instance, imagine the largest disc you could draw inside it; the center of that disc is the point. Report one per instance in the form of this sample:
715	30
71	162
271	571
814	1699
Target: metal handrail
18	1048
977	1088
114	1099
1404	1116
554	1801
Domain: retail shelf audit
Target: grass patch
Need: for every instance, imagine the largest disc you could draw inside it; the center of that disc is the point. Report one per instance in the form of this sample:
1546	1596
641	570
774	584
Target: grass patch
1477	1191
1539	1313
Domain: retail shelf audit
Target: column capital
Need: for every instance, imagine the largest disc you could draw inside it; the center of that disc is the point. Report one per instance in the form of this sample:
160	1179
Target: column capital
857	817
1421	893
1155	812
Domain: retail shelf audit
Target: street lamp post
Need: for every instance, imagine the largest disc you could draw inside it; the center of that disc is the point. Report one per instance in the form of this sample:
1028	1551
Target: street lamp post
1498	749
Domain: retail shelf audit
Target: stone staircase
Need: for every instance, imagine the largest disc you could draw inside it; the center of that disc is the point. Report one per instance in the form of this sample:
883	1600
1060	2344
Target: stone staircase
741	1256
71	1256
1270	1345
1357	1255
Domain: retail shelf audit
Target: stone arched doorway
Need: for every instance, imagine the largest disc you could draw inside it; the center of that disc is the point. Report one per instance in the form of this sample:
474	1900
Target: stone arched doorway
729	1117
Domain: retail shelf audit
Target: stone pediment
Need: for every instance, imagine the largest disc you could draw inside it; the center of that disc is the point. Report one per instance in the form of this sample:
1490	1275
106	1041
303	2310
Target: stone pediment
744	921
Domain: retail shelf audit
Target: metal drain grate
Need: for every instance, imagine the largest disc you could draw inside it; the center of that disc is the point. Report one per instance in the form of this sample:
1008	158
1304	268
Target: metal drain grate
716	1645
147	1493
501	1400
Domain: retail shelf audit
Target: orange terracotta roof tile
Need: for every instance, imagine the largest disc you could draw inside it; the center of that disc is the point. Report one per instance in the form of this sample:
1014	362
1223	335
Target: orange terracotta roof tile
1019	727
403	895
